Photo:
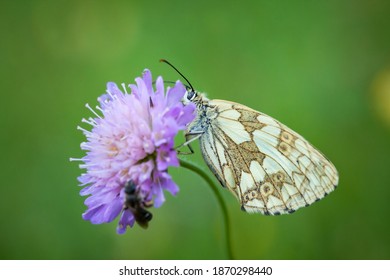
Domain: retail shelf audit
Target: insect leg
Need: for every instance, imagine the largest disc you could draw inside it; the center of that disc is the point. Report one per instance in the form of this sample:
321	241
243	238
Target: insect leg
190	137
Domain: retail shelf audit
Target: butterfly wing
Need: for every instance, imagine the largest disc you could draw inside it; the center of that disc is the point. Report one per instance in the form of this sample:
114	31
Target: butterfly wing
270	168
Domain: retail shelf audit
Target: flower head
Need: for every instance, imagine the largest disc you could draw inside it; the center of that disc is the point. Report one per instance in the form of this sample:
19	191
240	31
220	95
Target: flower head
131	144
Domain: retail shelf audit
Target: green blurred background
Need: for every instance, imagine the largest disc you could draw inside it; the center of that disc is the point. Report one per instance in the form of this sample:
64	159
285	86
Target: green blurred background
321	67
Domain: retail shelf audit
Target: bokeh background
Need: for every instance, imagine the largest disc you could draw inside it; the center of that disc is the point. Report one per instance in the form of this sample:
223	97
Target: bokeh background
321	67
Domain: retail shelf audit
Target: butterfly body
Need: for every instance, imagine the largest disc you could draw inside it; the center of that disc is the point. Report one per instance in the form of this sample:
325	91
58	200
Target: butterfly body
269	168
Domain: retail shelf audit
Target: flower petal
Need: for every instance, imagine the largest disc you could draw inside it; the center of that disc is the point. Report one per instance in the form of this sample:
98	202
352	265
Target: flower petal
126	219
175	94
147	77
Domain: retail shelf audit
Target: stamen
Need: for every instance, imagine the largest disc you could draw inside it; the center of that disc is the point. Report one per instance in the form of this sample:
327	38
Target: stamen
92	110
124	87
100	109
85	146
92	120
76	159
111	95
88	122
86	132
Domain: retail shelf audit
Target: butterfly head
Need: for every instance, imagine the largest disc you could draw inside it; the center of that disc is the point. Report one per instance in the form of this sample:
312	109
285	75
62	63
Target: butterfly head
194	96
190	95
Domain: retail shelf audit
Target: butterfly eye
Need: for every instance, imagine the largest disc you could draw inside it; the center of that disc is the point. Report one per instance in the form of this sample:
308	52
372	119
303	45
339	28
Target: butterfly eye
191	95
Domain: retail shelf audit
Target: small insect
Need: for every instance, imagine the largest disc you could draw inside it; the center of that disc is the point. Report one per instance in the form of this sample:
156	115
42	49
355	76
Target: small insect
270	168
135	203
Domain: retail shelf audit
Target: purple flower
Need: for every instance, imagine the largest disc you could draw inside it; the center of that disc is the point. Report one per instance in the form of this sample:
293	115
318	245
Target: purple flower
132	140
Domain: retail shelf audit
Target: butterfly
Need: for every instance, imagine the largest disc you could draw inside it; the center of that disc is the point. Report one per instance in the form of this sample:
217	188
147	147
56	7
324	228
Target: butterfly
269	168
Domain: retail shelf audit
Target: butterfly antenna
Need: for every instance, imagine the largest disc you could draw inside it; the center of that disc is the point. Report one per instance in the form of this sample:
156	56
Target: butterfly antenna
167	62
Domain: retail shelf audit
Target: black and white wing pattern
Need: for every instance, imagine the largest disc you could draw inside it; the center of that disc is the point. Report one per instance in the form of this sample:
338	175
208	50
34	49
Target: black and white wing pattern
270	168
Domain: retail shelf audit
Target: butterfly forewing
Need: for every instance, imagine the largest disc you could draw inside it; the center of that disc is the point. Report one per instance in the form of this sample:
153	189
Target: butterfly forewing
267	166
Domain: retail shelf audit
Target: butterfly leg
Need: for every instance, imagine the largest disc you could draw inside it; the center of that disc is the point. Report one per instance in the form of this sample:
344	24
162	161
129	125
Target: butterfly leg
190	137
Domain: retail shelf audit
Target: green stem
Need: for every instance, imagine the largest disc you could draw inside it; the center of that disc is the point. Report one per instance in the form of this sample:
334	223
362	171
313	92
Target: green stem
221	202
